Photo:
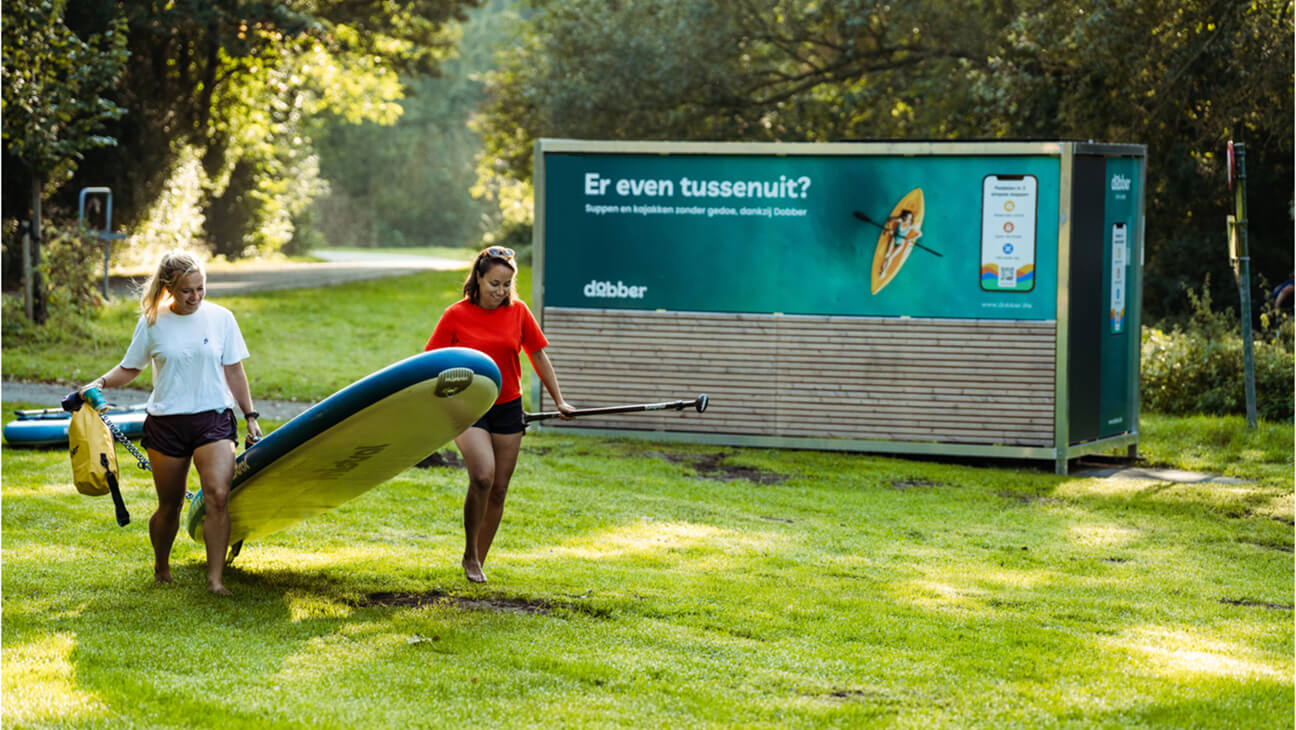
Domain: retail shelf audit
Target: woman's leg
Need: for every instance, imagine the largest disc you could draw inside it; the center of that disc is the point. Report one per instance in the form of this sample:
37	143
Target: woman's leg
170	473
479	460
506	447
215	462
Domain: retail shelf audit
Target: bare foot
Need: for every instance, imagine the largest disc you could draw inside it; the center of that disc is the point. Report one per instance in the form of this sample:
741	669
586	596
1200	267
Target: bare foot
219	590
473	570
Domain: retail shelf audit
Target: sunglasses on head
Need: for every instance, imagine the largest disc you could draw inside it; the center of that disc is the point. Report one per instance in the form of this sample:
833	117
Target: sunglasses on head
500	251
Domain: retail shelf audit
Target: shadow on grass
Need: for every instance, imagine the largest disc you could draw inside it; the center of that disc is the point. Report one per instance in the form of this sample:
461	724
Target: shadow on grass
851	588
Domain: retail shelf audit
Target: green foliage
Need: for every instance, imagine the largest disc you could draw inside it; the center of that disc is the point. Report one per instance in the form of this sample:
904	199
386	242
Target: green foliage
270	173
74	268
54	107
514	235
55	86
72	276
1182	77
406	184
1198	368
231	85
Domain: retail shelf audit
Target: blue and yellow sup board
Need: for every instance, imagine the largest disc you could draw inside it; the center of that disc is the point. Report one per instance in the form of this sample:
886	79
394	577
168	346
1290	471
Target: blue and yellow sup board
354	440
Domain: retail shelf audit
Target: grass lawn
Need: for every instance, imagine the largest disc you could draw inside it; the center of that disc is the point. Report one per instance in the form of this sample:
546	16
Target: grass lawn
639	584
305	343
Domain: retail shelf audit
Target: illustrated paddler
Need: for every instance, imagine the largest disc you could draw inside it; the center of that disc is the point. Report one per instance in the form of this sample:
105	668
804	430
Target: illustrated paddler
897	238
901	229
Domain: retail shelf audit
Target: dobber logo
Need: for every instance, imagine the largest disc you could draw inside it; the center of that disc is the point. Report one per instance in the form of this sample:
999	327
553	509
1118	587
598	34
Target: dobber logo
607	290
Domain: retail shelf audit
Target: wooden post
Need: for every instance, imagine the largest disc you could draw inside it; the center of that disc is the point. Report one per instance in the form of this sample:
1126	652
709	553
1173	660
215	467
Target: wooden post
38	290
27	272
1244	275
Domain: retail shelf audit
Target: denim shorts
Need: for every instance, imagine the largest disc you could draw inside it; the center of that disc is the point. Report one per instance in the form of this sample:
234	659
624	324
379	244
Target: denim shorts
503	418
180	435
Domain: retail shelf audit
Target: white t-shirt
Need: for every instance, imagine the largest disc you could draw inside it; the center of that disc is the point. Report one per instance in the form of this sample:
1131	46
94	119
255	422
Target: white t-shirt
188	353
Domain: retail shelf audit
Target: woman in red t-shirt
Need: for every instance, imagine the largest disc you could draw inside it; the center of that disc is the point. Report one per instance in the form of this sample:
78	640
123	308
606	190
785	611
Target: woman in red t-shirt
492	319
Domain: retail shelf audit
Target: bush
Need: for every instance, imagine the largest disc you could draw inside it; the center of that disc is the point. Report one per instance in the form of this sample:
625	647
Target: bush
72	273
73	269
1197	368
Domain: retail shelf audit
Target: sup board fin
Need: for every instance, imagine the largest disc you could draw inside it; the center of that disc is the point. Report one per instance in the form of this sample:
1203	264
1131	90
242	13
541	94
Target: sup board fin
235	549
453	381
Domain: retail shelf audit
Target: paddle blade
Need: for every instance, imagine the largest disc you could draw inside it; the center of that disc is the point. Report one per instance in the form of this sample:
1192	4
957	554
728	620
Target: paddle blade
865	218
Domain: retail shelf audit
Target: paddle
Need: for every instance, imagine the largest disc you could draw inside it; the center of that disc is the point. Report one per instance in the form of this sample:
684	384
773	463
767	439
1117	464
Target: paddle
700	403
60	414
43	414
867	219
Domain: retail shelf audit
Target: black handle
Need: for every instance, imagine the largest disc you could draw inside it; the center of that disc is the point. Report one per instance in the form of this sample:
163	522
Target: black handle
123	517
73	401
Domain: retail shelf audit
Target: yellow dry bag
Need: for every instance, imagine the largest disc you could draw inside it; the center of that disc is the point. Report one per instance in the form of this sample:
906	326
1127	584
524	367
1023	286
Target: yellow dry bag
94	458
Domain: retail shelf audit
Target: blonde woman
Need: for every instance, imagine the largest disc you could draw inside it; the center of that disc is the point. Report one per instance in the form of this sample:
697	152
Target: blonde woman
197	353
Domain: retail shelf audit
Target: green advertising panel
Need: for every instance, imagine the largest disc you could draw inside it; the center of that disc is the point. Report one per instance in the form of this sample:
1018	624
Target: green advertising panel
1121	226
960	236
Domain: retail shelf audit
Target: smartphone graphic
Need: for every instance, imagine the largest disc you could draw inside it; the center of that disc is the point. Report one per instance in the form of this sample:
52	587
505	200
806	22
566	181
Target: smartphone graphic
1119	262
1009	206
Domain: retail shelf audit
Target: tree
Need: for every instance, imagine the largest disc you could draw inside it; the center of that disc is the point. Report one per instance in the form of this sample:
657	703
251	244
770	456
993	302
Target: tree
408	183
235	84
53	104
1182	76
750	70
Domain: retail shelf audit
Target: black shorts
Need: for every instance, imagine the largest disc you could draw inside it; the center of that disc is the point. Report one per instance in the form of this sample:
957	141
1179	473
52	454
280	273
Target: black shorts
180	435
503	418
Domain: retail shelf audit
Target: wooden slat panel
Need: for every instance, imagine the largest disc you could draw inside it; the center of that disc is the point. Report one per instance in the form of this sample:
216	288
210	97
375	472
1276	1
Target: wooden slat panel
956	381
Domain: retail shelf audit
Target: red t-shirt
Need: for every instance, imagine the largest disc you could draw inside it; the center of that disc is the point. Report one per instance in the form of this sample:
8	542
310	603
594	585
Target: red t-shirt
500	333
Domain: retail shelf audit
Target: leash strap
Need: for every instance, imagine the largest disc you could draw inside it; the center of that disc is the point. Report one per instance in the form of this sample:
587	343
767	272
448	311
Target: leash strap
140	458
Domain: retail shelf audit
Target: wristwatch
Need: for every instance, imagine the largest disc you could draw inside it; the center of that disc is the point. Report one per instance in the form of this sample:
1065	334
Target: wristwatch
251	414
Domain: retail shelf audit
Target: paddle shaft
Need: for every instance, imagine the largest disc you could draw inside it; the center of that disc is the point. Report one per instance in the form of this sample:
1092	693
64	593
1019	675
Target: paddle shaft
700	403
60	414
867	219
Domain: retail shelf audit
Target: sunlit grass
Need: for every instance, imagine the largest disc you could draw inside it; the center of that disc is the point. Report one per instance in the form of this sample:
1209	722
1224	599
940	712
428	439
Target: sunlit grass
40	687
627	590
370	324
1219	444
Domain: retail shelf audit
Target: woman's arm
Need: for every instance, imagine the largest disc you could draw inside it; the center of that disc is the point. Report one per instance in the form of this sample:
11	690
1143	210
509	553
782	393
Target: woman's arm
114	378
544	368
236	377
